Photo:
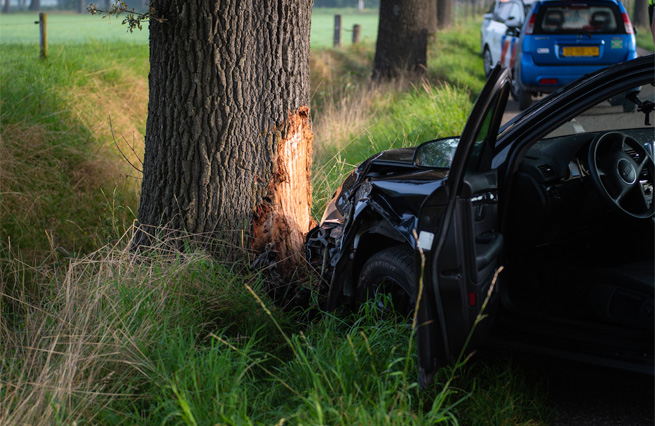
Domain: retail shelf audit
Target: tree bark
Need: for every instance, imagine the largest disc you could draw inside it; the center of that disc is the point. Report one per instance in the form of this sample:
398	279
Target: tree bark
228	135
640	14
444	13
402	43
431	12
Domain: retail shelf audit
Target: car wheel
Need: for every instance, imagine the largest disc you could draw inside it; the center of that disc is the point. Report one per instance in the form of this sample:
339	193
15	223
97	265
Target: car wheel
488	61
389	272
525	99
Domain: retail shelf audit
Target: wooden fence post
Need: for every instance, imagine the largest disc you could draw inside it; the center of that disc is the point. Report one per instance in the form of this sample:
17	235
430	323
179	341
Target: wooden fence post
43	31
337	30
43	34
356	30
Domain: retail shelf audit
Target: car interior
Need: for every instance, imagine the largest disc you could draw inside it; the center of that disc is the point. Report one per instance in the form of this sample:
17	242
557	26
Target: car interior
579	253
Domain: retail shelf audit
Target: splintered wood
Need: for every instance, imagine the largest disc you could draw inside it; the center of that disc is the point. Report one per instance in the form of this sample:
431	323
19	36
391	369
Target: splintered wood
283	219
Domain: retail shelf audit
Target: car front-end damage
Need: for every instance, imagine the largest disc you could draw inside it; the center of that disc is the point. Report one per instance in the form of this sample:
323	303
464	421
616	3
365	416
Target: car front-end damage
375	208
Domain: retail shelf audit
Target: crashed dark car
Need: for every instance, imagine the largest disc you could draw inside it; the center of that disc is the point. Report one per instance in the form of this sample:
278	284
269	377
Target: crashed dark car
560	197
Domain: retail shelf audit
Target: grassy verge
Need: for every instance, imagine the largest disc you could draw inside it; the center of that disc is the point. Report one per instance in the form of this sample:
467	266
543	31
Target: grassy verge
114	338
63	183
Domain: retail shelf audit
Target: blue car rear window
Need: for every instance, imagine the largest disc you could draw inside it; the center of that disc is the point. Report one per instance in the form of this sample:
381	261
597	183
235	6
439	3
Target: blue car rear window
578	19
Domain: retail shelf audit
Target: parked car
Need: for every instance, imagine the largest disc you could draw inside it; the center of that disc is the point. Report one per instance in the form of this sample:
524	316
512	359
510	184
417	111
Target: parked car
500	30
561	197
563	40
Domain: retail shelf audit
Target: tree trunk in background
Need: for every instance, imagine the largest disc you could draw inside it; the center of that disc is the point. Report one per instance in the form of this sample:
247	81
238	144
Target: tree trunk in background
402	43
7	6
228	136
640	14
81	6
444	13
431	11
35	5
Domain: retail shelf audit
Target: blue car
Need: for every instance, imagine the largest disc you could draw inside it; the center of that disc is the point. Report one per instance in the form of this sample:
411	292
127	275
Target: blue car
563	40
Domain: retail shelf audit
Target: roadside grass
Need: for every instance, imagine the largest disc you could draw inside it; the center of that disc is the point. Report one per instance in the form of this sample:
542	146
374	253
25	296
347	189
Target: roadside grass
93	333
117	337
63	182
645	39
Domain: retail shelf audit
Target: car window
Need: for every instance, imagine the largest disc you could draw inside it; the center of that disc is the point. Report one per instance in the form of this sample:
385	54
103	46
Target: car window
515	12
486	131
577	18
619	112
503	12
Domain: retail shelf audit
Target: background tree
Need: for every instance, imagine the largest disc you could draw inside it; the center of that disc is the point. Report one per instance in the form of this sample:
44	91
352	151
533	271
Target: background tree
431	11
402	43
640	14
228	137
444	13
35	5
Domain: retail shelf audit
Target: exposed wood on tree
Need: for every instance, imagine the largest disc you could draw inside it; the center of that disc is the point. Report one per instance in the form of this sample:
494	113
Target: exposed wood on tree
402	42
228	137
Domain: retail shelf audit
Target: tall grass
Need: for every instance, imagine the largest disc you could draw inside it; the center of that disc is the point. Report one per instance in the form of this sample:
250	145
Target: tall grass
63	182
117	337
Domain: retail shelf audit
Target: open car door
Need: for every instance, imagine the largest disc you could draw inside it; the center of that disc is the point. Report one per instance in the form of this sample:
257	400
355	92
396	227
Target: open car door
459	245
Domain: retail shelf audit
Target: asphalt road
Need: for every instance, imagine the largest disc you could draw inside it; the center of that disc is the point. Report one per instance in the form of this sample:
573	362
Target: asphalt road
584	395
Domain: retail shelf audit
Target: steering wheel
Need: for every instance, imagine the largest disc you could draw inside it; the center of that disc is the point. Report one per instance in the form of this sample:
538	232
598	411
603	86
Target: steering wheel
619	176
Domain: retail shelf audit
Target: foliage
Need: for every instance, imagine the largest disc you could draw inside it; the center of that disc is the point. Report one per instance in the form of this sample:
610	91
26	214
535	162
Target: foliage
132	19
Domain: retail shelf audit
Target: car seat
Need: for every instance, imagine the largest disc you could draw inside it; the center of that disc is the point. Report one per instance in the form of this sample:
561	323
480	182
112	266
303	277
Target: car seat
553	20
600	21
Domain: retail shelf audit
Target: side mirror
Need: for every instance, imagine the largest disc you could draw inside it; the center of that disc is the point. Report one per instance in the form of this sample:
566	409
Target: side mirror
436	154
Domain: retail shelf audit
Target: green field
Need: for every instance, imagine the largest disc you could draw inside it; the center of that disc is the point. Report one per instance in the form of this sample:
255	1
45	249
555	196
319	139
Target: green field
73	28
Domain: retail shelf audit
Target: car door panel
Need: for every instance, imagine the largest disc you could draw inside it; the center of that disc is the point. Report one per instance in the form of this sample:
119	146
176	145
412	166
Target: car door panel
460	262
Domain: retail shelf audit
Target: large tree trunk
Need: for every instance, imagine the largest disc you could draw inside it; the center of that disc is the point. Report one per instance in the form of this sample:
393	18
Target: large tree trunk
35	5
402	43
640	14
228	136
444	13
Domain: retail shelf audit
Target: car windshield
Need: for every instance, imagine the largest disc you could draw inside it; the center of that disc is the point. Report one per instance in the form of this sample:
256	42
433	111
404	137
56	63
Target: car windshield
577	18
619	112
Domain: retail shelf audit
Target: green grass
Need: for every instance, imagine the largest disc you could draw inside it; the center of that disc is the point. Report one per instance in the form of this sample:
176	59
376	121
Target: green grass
59	166
323	26
66	28
113	337
74	29
645	39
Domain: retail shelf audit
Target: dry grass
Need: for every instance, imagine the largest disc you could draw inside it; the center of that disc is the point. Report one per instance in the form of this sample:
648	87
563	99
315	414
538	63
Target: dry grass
76	342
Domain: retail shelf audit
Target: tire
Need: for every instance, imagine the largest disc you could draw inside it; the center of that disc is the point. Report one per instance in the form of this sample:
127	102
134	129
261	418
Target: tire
525	99
488	61
391	272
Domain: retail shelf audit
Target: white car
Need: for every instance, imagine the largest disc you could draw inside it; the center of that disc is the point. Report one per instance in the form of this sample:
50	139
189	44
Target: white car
500	30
